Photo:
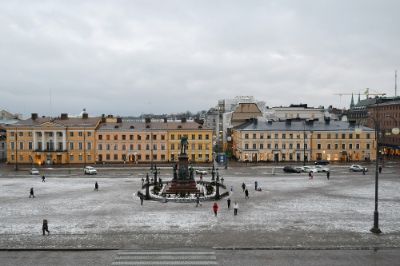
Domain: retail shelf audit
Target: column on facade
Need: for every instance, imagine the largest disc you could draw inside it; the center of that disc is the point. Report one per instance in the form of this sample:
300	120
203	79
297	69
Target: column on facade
55	146
64	141
43	143
34	140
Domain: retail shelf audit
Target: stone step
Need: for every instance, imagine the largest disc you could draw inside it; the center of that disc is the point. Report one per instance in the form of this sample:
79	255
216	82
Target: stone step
158	257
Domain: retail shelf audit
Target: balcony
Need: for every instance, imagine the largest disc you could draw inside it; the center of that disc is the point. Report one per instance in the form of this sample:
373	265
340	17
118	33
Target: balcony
50	150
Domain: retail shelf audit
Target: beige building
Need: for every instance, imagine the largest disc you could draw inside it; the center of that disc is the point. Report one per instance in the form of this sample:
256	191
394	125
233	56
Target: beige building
298	141
46	140
151	141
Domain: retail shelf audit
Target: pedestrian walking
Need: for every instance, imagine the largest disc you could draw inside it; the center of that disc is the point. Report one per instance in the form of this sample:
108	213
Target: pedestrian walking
215	209
197	200
235	208
243	186
310	175
231	188
229	202
43	178
142	181
31	193
246	192
96	186
363	171
141	200
327	175
380	169
255	185
45	227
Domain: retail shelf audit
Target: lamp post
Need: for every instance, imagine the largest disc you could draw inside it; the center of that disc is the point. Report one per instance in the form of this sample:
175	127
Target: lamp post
16	149
375	229
304	143
84	146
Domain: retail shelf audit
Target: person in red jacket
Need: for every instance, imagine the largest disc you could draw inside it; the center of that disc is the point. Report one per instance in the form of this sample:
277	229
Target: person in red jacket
215	208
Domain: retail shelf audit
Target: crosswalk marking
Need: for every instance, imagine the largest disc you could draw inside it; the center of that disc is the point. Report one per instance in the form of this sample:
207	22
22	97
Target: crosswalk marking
154	257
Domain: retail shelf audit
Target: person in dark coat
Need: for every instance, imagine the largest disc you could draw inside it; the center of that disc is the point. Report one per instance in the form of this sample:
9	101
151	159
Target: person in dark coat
380	169
363	171
215	209
243	186
197	200
235	208
96	186
229	202
45	227
246	192
31	193
255	185
327	175
141	199
43	178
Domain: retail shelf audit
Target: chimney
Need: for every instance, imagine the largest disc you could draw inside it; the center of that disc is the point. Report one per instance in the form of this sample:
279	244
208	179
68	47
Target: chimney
34	116
64	116
165	120
147	120
119	120
183	119
327	120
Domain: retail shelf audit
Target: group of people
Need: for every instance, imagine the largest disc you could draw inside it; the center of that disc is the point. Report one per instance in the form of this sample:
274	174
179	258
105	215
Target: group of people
215	207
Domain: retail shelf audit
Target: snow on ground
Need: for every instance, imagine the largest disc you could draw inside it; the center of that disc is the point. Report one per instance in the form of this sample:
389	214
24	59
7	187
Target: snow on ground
344	203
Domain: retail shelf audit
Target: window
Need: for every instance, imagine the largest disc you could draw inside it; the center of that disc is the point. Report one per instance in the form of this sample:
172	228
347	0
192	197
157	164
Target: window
207	136
107	137
254	146
261	146
100	147
89	134
123	137
200	136
269	146
368	146
328	146
12	133
254	136
131	147
147	147
261	136
193	147
80	146
357	146
193	136
350	136
283	136
343	136
246	146
343	146
200	146
357	136
147	137
80	134
115	147
290	146
123	147
276	146
154	137
328	136
172	137
50	134
100	137
89	145
298	146
276	136
115	156
147	157
130	137
246	136
336	146
108	157
108	147
139	137
163	147
291	136
284	146
163	157
71	158
368	136
318	146
163	138
30	145
139	147
155	147
318	136
29	134
115	137
172	146
71	134
21	145
80	157
350	146
268	136
21	134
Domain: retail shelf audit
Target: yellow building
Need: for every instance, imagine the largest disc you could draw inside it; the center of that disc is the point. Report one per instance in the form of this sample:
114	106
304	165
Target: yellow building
45	140
124	141
296	141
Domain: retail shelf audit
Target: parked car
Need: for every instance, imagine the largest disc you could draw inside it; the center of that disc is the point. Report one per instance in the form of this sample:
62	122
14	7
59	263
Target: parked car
320	168
199	171
321	162
89	170
308	169
358	168
34	171
290	169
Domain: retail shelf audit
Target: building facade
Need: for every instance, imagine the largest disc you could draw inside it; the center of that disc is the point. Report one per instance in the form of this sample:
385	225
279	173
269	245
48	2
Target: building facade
298	141
45	140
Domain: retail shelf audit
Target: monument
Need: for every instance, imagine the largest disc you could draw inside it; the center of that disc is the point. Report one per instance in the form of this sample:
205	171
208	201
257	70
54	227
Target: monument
183	182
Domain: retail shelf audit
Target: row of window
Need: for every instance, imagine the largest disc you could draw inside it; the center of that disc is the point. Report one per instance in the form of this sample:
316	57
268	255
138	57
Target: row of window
149	136
71	157
50	134
298	136
138	157
131	147
300	146
50	146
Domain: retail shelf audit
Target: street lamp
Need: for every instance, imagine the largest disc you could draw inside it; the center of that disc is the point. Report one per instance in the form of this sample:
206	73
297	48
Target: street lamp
304	142
16	149
375	229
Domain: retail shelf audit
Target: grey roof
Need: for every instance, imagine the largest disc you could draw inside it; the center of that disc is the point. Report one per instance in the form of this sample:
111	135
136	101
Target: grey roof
142	126
255	125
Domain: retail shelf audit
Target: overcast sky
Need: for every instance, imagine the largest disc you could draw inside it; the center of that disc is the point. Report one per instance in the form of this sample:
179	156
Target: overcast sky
132	57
